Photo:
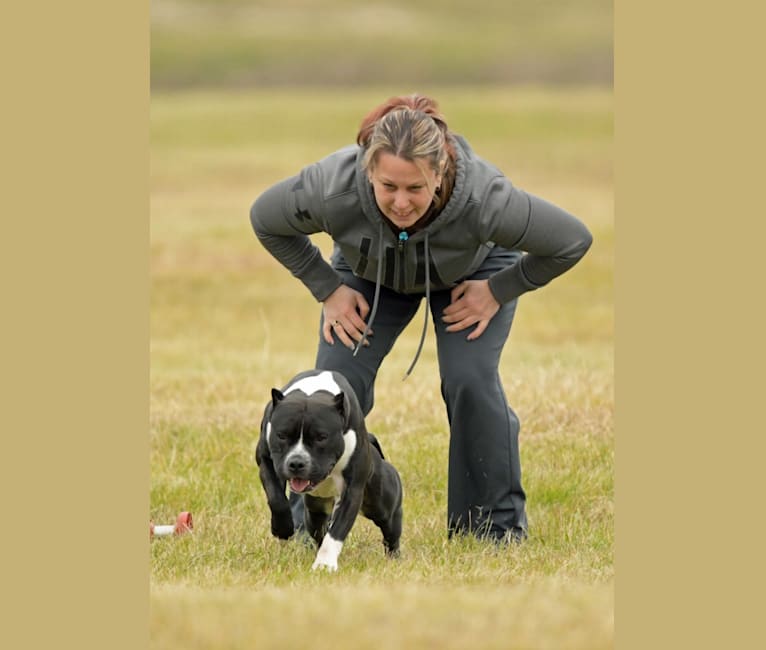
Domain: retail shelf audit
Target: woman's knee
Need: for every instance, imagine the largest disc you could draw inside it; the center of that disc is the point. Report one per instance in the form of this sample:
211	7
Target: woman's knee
468	375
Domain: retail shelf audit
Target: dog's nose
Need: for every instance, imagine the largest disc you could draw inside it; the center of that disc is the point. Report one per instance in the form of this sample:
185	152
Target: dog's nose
296	465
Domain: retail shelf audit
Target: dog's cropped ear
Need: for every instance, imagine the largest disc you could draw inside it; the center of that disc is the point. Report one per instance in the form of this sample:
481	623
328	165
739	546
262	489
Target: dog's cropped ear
344	408
276	396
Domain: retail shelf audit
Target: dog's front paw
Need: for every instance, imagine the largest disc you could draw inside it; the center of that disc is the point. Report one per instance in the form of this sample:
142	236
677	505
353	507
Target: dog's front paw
327	557
327	565
282	525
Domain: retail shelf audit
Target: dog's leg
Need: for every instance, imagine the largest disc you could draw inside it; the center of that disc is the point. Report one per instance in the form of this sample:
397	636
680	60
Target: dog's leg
383	504
327	557
281	517
316	514
343	519
393	533
392	536
391	527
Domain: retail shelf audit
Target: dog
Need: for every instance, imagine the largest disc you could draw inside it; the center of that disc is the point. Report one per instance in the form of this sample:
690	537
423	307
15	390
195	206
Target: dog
313	438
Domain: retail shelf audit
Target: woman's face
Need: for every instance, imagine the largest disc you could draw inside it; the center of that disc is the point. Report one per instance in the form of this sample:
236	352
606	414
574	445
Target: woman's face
403	190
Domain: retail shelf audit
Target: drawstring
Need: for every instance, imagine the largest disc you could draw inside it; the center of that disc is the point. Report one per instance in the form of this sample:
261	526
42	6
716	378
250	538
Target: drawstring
375	300
378	278
428	309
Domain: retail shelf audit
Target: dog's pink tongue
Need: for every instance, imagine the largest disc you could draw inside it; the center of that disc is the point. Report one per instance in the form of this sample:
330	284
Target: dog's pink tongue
298	484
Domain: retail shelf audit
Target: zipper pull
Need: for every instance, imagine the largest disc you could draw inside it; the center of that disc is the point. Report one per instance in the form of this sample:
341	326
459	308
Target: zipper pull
403	237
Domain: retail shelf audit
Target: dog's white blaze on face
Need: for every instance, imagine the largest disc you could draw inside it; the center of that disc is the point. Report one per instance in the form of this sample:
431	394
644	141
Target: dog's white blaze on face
327	557
298	451
310	385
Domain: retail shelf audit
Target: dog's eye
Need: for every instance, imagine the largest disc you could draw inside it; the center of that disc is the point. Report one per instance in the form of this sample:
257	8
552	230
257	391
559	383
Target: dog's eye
320	437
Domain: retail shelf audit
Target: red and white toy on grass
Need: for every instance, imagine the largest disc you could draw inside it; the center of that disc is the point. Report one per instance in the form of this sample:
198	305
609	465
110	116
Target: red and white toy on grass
184	524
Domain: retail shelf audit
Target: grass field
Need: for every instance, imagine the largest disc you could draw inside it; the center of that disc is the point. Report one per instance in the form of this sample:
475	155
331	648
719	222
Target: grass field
228	323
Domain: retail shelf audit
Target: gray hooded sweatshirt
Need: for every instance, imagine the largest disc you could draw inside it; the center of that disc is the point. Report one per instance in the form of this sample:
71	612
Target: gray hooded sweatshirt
334	196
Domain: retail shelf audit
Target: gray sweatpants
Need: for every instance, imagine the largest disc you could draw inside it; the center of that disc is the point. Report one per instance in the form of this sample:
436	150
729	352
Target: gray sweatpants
484	494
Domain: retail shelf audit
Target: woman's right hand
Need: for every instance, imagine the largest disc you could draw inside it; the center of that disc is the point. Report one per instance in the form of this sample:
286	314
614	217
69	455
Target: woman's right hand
344	312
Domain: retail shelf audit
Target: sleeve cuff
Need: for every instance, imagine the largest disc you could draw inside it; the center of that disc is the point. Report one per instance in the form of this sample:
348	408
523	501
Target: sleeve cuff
510	283
320	279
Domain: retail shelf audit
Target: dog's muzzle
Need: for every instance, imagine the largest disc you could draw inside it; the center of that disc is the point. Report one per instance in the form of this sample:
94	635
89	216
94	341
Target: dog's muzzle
297	466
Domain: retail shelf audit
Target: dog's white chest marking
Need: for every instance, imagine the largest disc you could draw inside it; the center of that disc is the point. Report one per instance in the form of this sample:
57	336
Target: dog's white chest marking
349	443
310	385
334	484
327	557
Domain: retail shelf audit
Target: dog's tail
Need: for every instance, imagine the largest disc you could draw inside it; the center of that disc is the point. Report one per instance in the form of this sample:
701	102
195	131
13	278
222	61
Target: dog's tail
376	444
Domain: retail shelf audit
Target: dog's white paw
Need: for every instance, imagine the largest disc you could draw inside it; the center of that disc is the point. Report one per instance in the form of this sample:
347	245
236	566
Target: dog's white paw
327	556
327	566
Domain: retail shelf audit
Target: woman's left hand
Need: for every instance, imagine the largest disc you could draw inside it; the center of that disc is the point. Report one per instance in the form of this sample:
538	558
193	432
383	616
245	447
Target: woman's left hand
472	302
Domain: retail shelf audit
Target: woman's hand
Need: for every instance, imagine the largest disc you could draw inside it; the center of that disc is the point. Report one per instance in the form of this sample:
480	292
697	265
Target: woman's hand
472	302
344	312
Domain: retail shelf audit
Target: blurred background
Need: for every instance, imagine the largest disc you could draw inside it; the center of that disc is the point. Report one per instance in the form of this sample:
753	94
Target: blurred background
263	43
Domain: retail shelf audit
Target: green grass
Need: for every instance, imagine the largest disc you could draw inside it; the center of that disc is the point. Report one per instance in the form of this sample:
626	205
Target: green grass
228	323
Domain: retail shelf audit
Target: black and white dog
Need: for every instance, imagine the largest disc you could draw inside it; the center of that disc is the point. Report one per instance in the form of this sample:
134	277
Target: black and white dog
313	437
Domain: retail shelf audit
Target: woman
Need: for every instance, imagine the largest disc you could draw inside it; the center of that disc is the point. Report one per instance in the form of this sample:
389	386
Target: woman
414	213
